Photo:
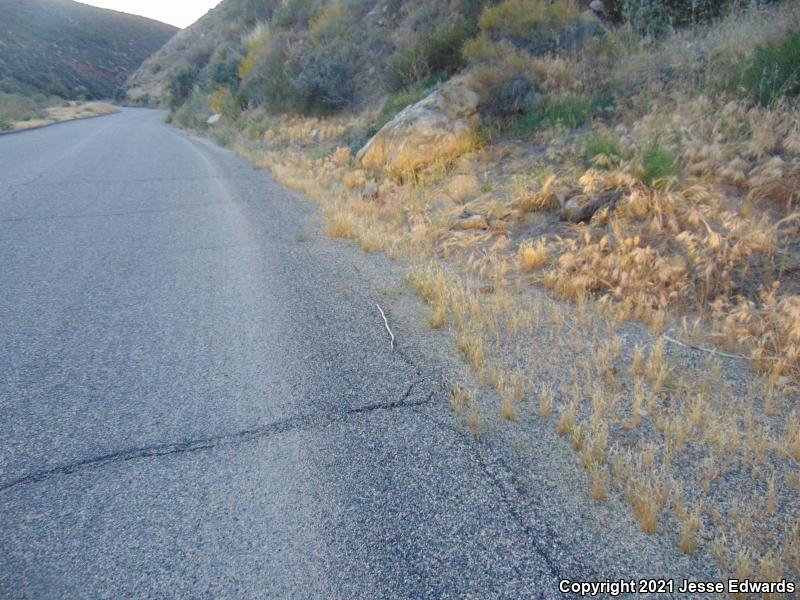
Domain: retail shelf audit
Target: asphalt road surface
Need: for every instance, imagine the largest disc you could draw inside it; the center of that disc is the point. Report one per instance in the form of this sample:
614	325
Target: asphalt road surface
199	401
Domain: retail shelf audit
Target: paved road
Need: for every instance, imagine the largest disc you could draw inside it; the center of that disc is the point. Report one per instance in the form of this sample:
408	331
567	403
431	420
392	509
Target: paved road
198	398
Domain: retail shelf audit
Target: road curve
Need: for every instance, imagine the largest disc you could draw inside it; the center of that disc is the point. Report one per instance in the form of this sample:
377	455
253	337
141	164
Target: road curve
199	400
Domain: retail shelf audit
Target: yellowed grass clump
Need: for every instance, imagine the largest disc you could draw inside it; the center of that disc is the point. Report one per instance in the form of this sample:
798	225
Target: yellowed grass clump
533	255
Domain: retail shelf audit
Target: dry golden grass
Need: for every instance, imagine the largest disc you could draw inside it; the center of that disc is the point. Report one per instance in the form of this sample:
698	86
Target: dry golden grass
708	242
70	112
643	499
600	483
533	255
691	523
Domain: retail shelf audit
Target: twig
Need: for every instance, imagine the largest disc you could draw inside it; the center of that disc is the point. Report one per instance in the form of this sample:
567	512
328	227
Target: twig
386	322
717	352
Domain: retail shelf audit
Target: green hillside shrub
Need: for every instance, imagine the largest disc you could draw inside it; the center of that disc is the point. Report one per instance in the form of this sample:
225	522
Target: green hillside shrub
657	17
325	79
437	53
181	85
294	14
267	73
532	20
771	72
224	66
18	107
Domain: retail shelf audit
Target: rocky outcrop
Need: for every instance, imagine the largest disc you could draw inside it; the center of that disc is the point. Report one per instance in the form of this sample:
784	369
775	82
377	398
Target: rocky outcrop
439	127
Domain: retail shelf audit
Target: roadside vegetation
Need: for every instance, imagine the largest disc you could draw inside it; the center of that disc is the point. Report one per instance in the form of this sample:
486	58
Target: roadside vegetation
18	111
616	253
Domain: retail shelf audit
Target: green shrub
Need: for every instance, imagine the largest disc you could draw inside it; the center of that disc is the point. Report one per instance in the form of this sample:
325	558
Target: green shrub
532	20
224	66
294	14
571	112
224	136
5	124
602	145
266	73
437	53
657	17
19	107
658	162
325	80
194	112
181	85
773	71
332	22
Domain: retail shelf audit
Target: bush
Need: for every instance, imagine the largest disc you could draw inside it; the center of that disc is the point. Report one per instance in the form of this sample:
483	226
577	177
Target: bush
773	71
223	103
602	145
181	85
224	67
332	22
531	20
193	113
294	14
18	107
656	17
265	72
436	54
658	162
325	80
5	124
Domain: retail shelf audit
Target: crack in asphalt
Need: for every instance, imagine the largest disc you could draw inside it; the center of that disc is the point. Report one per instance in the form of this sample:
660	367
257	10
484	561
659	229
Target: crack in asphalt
301	423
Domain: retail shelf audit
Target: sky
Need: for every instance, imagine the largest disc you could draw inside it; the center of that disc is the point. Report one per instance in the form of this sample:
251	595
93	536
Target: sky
180	13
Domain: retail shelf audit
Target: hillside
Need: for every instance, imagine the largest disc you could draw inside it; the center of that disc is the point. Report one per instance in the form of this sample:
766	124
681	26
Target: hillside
63	48
598	202
308	37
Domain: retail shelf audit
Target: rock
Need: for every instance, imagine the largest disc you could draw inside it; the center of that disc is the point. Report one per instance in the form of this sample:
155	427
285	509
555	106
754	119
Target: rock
370	190
597	6
470	222
461	187
440	126
579	209
214	119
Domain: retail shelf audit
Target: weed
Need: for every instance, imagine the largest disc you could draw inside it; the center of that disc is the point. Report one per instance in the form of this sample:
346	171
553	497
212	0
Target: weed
602	150
691	522
566	423
545	401
533	255
658	163
773	71
600	483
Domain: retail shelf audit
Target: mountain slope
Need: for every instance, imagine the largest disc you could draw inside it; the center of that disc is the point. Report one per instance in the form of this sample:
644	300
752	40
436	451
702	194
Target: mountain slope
60	47
351	43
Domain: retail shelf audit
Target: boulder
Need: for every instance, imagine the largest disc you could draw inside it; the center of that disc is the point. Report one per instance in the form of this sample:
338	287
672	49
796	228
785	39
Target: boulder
214	119
581	208
469	221
438	127
370	190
